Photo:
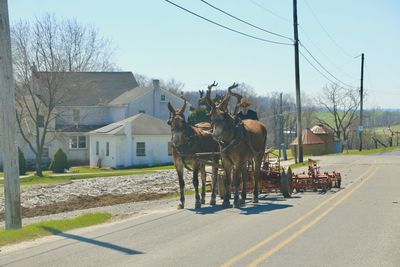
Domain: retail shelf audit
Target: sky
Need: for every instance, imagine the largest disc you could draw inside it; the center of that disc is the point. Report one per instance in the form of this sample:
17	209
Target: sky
156	39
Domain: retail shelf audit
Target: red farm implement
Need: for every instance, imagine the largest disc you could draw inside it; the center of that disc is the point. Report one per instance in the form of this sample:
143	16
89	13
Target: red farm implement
313	179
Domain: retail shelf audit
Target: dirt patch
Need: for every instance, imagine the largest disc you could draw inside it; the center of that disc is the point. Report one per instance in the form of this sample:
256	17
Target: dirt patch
86	202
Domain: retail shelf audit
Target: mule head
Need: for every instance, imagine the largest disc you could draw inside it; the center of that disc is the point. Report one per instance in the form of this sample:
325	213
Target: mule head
178	124
221	121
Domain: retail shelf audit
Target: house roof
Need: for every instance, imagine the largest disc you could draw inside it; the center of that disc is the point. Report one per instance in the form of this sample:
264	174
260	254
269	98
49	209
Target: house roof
321	129
87	88
77	128
131	95
141	124
309	138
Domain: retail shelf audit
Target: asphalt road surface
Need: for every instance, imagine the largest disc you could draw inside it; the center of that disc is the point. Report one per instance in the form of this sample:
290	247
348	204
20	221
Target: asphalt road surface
356	226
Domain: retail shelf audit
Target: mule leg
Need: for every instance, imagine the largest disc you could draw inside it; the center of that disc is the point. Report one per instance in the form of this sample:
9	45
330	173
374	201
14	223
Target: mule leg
179	169
203	183
227	184
214	184
236	180
257	166
244	186
196	184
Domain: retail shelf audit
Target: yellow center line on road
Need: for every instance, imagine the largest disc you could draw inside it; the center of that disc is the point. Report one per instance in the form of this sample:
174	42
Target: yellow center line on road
270	252
257	246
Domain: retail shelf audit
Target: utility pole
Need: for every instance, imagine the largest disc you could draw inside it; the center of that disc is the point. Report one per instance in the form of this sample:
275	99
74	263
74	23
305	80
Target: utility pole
297	76
12	201
281	137
360	127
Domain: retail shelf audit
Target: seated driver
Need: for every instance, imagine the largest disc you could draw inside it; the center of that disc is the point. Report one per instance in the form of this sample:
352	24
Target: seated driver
244	112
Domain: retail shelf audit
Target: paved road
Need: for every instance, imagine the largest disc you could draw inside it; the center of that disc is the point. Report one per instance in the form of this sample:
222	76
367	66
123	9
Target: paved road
357	226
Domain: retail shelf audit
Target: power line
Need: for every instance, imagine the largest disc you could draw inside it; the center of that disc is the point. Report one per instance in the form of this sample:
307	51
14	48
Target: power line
225	27
327	33
319	63
325	55
245	22
271	12
312	65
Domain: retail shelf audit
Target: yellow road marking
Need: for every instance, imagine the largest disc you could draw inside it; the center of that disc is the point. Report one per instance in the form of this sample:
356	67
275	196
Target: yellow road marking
257	246
267	254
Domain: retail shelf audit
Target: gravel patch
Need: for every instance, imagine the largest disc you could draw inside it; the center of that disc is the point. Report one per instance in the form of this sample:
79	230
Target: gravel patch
161	182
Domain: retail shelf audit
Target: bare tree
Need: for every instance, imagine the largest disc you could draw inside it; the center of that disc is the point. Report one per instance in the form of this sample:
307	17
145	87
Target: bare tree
51	47
342	105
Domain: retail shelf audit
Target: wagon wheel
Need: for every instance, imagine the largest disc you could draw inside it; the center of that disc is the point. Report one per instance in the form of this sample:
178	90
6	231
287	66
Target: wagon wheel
286	183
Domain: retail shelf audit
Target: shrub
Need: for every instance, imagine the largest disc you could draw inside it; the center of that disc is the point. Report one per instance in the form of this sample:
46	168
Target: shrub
21	162
59	163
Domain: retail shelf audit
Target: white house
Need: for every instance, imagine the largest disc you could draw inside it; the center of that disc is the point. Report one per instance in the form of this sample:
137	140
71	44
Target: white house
93	100
136	141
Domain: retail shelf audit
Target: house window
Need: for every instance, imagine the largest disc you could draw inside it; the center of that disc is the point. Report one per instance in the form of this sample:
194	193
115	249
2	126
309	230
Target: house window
40	121
142	111
45	153
140	149
76	115
163	98
169	149
107	149
76	142
97	148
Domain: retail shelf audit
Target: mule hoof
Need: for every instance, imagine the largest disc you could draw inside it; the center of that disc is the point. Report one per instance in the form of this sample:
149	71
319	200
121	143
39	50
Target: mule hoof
226	204
180	206
255	199
213	202
197	205
203	201
242	201
236	204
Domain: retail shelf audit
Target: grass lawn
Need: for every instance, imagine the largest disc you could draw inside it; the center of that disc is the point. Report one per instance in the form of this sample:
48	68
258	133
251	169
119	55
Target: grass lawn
37	230
367	151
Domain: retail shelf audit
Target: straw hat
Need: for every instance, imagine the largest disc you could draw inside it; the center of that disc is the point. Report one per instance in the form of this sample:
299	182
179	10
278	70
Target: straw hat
244	103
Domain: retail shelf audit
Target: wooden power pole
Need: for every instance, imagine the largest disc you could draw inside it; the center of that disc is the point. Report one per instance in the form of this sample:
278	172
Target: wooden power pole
297	76
12	201
360	127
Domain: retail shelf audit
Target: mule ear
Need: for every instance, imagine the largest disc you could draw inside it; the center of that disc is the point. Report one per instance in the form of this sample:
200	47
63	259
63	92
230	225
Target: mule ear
210	102
224	102
171	109
182	109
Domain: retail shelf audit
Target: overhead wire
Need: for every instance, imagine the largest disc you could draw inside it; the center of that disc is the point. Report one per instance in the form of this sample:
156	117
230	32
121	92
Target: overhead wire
271	12
325	69
245	22
312	65
226	27
326	56
326	31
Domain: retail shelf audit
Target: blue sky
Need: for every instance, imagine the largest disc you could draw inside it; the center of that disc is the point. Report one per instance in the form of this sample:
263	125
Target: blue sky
156	39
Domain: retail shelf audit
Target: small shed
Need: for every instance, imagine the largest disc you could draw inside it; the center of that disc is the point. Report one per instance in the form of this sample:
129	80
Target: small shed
140	140
312	143
326	135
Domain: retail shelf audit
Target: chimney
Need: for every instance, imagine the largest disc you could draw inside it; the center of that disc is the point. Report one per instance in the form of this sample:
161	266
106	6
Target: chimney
156	98
34	79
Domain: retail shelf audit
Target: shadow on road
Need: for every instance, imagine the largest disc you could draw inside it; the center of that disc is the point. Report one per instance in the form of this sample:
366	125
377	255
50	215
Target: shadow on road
263	207
253	209
92	241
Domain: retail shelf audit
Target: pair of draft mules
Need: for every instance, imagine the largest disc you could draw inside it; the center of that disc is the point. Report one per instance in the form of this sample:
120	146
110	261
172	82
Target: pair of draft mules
233	143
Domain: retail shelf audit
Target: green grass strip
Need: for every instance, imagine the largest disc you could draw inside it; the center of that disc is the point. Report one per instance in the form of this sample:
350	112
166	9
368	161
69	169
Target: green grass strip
368	151
41	229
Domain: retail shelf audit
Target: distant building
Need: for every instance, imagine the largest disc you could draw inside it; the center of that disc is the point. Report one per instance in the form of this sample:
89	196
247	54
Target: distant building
312	143
91	101
136	141
326	135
